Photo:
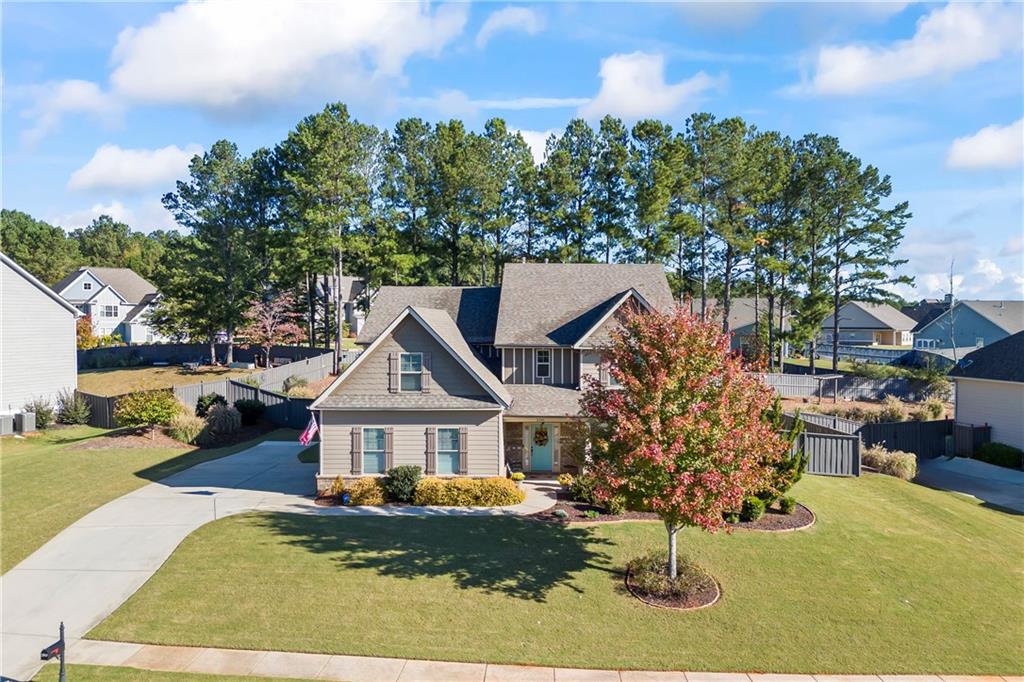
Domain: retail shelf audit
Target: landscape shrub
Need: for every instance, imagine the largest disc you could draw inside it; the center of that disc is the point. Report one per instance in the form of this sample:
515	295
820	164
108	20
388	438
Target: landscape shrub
565	480
890	462
753	509
251	410
732	517
337	487
648	575
186	428
935	408
250	380
222	421
1000	454
43	410
787	505
561	513
582	489
400	482
208	400
147	408
303	392
467	492
72	408
367	491
518	476
591	514
616	505
893	410
294	382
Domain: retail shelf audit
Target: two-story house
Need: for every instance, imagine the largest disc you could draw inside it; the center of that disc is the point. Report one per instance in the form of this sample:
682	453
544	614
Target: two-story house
469	380
968	325
117	300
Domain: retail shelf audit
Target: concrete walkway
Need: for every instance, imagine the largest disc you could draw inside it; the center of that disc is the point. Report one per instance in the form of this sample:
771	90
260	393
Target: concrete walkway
91	567
998	486
371	669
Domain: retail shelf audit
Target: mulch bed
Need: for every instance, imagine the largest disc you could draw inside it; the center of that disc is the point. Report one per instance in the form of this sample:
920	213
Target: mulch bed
773	520
707	595
157	438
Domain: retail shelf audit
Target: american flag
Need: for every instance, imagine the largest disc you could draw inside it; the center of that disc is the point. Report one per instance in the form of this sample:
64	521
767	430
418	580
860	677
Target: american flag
311	429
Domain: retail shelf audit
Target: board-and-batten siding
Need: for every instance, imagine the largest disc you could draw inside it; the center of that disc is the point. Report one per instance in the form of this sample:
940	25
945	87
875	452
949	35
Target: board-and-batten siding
518	366
37	344
997	403
447	375
409	437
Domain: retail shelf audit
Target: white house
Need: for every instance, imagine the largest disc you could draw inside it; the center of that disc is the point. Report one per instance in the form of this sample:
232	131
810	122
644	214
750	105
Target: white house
990	389
117	300
38	356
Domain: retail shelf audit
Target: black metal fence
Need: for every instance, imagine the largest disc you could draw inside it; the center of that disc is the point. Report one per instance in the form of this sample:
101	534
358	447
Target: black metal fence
177	353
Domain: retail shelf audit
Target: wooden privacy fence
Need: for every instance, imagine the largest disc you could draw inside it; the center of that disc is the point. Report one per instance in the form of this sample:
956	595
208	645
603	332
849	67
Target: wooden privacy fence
101	410
845	387
924	439
830	454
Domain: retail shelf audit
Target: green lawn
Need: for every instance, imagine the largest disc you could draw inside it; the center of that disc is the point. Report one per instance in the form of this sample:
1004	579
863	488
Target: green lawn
45	485
821	365
100	673
128	379
894	578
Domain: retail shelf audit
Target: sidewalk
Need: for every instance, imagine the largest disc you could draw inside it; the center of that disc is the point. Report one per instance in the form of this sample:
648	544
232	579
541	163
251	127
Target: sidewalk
371	669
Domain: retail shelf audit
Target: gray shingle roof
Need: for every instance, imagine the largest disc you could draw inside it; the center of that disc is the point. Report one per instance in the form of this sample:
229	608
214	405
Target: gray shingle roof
474	309
541	400
125	281
741	311
888	317
408	401
1007	315
1001	361
554	304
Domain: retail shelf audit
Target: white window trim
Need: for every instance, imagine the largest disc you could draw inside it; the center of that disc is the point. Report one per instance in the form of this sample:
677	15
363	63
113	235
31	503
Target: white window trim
402	373
437	449
362	450
105	307
86	286
537	363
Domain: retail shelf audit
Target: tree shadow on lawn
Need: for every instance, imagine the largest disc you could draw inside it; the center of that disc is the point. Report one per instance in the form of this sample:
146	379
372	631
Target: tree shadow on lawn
499	555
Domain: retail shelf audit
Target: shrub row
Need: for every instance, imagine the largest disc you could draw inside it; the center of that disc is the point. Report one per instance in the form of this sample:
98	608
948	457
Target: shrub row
891	462
404	484
893	410
1001	454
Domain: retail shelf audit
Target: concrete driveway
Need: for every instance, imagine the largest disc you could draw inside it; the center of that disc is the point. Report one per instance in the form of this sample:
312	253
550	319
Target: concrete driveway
998	486
90	568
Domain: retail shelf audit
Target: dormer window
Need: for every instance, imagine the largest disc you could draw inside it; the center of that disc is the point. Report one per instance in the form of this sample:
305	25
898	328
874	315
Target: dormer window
87	286
543	364
411	371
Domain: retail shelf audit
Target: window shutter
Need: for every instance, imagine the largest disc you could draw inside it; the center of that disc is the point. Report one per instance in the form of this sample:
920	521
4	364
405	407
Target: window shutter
463	450
602	373
389	447
431	451
392	372
426	373
357	451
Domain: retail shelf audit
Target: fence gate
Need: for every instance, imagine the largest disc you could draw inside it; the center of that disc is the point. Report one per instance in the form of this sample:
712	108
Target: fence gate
967	438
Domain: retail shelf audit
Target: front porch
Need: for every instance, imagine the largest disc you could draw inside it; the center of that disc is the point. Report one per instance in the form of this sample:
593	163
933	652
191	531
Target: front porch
538	447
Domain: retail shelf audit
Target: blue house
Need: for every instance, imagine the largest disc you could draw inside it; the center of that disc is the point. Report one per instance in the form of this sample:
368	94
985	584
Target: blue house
971	324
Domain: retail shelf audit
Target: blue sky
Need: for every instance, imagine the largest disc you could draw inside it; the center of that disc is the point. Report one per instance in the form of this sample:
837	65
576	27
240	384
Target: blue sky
104	103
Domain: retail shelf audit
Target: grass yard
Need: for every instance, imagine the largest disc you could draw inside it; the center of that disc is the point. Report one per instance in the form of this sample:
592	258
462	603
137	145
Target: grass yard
120	380
821	365
46	485
894	578
100	673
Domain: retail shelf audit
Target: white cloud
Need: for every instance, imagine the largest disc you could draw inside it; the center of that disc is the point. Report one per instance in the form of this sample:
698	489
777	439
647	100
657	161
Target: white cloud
537	141
144	216
1014	246
633	86
948	40
509	19
993	146
458	103
52	101
114	168
224	55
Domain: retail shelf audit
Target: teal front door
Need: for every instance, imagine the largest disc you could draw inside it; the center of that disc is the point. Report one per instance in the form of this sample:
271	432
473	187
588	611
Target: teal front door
542	447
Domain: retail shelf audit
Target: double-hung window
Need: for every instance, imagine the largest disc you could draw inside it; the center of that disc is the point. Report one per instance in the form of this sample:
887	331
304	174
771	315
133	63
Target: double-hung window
447	451
373	451
109	311
411	371
543	365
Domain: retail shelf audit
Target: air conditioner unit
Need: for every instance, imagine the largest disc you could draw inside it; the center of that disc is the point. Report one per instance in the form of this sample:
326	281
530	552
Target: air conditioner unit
6	424
25	422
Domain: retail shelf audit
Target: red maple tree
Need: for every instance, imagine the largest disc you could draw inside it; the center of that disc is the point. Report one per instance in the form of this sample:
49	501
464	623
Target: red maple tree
683	433
273	322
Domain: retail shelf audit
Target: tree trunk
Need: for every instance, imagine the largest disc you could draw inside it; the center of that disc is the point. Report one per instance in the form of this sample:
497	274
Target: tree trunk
727	287
338	311
213	348
326	302
231	344
672	567
835	318
703	273
312	313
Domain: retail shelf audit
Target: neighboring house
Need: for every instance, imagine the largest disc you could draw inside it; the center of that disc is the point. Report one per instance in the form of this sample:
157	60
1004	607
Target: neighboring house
869	324
469	380
743	315
38	357
352	290
971	324
926	310
990	389
117	300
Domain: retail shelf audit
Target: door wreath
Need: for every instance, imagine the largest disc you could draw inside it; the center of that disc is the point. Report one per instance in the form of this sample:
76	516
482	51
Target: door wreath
540	436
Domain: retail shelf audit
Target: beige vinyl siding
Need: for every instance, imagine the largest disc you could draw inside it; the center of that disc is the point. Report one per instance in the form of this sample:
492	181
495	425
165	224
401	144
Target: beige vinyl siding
518	366
37	344
410	437
590	361
998	403
447	375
